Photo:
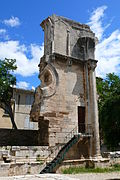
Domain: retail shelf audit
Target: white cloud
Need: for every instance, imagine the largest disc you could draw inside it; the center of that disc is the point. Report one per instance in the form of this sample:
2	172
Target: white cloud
22	85
13	50
13	21
108	49
2	31
108	55
3	34
96	21
33	88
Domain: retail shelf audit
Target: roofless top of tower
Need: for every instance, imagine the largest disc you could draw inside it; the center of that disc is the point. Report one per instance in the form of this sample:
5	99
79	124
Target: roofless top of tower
67	20
67	37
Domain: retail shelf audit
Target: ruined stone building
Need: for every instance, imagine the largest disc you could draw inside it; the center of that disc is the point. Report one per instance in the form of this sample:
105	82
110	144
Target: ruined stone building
66	98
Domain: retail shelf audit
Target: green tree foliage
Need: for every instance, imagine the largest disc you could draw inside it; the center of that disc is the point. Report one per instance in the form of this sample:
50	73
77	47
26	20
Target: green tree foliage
109	109
7	81
110	121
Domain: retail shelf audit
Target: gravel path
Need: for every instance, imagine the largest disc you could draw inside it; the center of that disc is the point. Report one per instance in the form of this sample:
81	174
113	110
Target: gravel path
86	176
97	176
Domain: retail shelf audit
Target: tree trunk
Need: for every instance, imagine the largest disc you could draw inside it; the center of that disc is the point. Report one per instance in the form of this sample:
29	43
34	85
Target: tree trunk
10	112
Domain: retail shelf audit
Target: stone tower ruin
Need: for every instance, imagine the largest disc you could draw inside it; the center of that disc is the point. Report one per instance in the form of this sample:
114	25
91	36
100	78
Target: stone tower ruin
66	98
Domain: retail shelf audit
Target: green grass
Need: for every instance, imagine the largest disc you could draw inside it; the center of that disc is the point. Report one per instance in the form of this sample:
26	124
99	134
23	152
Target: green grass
38	159
76	170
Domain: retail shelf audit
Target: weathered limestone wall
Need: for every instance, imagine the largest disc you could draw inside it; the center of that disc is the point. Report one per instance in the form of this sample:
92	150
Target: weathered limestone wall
61	109
21	168
67	37
80	150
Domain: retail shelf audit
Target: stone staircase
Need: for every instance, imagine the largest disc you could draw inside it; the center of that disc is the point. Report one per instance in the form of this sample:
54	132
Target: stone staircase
49	168
58	153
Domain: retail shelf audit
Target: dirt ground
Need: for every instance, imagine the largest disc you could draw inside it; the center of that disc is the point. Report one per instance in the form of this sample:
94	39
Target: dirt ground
86	176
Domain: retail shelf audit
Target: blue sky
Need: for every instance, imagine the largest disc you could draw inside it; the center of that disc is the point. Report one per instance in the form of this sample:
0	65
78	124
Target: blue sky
21	36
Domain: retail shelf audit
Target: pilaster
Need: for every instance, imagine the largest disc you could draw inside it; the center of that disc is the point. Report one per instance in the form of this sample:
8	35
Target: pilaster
94	107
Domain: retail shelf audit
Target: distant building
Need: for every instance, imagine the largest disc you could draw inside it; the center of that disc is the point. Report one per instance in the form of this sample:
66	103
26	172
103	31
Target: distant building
21	104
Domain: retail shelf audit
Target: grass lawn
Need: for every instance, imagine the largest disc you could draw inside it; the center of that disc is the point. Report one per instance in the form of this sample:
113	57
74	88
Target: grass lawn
76	170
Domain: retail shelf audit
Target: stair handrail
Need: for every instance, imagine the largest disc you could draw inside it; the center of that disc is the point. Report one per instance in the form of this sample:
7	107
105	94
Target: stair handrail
58	147
69	135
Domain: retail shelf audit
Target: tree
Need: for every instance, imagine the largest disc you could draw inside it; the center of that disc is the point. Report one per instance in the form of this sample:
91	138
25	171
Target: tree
109	109
108	87
7	81
110	121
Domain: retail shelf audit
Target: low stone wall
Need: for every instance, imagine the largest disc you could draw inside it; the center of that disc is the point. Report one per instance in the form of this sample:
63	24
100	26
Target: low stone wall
14	169
12	137
93	163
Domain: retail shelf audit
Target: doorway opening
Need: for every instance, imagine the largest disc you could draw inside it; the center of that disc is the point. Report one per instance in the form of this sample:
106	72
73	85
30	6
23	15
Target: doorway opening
81	119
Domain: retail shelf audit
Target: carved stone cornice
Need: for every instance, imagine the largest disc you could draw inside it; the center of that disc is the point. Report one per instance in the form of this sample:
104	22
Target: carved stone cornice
92	64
